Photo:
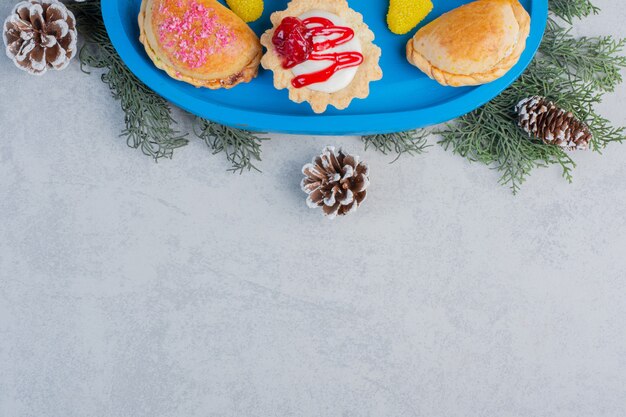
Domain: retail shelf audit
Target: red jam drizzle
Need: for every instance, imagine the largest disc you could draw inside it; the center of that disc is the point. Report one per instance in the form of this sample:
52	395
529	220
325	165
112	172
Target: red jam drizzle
294	41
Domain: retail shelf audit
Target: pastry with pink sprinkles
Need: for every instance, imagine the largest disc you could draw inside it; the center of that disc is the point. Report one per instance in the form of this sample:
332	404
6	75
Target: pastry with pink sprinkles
199	42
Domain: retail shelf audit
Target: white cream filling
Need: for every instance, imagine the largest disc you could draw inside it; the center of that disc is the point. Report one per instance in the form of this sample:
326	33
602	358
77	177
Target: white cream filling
341	79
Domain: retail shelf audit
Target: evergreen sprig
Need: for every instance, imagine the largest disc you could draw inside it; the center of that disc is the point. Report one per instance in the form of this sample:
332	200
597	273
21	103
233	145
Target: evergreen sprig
413	142
569	10
149	123
575	73
242	148
491	136
596	60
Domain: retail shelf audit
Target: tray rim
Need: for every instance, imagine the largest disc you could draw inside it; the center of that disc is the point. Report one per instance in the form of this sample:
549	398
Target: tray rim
324	124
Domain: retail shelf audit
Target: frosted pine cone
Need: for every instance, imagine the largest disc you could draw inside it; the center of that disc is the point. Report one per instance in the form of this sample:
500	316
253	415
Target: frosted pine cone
335	181
542	119
40	34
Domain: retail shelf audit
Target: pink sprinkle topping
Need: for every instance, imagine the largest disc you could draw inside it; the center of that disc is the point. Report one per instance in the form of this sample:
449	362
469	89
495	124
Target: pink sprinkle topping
196	35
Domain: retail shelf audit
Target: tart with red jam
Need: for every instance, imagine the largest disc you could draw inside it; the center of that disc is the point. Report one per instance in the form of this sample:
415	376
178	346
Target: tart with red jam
322	52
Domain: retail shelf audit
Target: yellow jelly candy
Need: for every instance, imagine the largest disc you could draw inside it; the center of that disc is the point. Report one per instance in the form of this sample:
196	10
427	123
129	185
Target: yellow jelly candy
404	15
248	10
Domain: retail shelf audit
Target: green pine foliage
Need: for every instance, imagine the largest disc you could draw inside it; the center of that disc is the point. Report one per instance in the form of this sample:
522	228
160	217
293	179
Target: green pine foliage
411	143
242	148
573	72
569	10
149	123
148	118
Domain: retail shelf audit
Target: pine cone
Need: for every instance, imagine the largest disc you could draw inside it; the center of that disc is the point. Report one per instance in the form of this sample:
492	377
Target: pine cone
335	181
541	118
40	34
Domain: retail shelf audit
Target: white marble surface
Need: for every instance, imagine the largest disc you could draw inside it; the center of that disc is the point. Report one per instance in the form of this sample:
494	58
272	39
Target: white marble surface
129	288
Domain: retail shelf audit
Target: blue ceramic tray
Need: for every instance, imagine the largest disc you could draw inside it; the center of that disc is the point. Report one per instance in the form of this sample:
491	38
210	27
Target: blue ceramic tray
404	99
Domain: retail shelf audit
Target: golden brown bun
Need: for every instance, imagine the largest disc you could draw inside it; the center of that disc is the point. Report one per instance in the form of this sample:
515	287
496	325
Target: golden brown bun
474	44
216	49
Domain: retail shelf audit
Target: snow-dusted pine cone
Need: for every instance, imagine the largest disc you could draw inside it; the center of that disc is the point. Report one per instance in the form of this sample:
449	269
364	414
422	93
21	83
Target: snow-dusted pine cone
40	34
335	181
542	119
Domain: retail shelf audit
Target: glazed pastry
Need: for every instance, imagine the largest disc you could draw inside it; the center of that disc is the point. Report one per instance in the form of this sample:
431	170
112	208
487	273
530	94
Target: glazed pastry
474	44
322	52
199	42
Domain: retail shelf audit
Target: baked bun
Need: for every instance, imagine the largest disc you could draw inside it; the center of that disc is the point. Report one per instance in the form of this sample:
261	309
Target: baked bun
474	44
199	42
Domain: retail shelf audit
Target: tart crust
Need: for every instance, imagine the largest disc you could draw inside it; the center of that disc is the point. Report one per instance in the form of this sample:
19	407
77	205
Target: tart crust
367	72
471	46
161	61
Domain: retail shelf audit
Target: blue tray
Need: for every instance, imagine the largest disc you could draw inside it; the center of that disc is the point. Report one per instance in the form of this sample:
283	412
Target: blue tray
404	99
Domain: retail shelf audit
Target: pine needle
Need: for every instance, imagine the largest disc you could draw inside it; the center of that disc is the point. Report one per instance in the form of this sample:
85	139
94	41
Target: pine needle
148	119
596	60
569	10
242	148
490	134
575	73
413	142
149	123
